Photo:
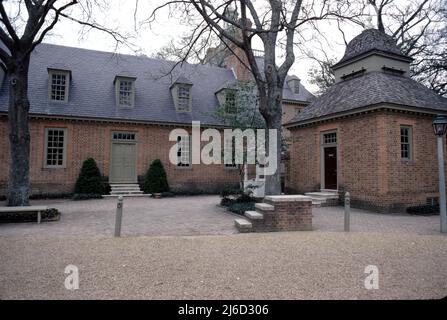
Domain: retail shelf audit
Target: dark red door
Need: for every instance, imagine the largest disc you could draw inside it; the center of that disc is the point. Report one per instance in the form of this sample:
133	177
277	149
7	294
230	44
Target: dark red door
330	168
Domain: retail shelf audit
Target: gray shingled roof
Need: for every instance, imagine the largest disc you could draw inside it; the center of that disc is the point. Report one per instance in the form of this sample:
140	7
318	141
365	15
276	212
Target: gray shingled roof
92	92
371	89
369	40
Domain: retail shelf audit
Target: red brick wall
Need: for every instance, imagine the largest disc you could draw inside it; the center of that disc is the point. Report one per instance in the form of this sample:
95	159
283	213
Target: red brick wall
369	162
93	139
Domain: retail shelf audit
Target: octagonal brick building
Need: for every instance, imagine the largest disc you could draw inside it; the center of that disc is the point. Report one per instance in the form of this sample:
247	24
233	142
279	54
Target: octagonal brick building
370	133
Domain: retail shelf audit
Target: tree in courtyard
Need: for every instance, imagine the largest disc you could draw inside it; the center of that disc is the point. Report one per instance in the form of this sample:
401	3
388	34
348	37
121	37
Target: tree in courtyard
23	25
275	24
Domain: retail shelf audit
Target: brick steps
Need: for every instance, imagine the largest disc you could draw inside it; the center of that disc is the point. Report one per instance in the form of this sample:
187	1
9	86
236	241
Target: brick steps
276	215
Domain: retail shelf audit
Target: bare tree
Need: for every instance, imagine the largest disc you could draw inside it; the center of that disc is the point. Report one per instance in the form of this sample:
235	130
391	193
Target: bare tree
23	25
275	23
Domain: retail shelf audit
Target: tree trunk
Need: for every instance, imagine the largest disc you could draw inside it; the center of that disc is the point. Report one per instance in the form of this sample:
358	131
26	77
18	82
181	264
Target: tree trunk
274	121
19	137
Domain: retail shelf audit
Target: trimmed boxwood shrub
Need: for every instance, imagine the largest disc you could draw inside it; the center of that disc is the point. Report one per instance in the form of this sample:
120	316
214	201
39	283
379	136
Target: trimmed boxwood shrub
89	183
241	207
425	209
155	180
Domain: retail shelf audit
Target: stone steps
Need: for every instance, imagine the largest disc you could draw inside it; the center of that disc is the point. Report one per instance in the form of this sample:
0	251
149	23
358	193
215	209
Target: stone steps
243	225
125	189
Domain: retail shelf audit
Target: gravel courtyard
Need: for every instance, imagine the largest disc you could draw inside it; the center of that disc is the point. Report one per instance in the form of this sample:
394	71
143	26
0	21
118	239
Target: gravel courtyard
186	248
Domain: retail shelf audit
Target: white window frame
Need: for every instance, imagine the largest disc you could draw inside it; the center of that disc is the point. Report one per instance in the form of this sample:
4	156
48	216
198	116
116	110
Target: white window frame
181	150
409	143
64	151
118	81
180	98
54	72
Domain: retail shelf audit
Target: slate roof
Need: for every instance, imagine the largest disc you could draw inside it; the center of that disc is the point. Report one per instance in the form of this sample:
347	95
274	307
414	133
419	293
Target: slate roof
371	89
92	92
370	40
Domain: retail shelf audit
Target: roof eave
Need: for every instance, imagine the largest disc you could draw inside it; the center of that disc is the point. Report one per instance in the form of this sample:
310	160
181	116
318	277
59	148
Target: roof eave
370	53
374	107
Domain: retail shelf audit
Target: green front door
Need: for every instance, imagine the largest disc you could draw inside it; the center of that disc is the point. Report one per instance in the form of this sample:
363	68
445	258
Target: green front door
123	163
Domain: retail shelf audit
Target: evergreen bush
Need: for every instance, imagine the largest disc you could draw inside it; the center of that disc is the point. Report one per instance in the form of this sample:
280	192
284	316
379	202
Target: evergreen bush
89	181
156	180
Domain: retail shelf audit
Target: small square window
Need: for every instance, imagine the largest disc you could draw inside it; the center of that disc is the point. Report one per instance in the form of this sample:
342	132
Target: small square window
330	138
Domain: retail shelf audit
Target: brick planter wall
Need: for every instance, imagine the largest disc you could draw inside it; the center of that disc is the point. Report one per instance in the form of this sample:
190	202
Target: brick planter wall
279	213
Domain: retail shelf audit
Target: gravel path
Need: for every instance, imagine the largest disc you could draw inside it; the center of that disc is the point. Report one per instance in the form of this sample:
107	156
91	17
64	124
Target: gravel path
295	265
206	260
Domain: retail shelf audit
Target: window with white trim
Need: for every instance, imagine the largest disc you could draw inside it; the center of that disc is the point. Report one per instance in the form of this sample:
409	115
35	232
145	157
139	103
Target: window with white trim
330	138
184	96
405	142
183	151
125	92
55	145
59	85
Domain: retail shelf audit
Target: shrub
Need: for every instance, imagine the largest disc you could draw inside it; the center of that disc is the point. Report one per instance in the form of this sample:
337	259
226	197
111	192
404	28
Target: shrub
425	209
89	180
241	207
155	180
230	191
86	196
51	214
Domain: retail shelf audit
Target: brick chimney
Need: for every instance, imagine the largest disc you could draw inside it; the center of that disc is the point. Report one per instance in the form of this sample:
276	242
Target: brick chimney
237	59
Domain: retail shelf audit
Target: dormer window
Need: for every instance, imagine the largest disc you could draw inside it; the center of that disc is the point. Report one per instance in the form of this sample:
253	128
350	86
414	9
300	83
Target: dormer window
184	97
230	101
125	91
59	84
294	85
181	91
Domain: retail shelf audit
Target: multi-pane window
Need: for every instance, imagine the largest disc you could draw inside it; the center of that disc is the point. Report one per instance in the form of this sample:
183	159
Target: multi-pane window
183	151
123	136
55	140
230	102
405	142
296	87
59	86
125	94
184	96
330	138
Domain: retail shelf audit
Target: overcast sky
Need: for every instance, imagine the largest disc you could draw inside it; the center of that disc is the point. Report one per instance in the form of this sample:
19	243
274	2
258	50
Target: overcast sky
149	38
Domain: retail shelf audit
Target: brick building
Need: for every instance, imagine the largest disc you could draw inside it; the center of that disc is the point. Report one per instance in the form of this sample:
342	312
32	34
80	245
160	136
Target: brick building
371	132
119	110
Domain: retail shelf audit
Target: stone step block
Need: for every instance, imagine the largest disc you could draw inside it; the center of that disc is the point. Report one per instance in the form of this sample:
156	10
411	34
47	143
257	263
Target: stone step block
243	225
254	215
264	207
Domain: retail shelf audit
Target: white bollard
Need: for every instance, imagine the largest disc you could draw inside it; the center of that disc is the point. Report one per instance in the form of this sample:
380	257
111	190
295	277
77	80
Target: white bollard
119	216
347	212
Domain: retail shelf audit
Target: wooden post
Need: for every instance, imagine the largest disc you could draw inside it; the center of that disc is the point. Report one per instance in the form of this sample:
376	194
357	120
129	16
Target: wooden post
119	216
347	212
